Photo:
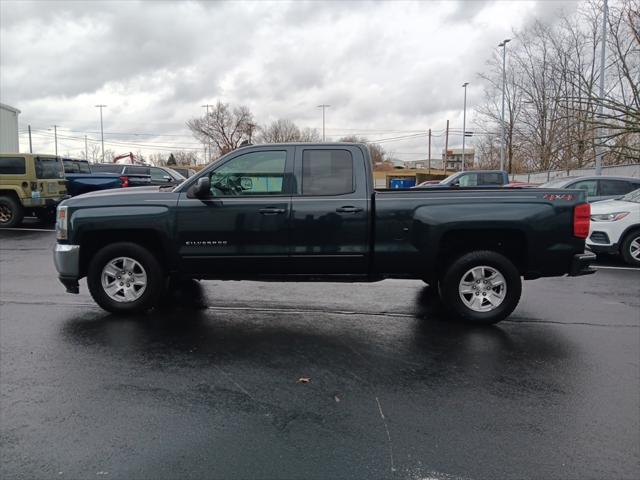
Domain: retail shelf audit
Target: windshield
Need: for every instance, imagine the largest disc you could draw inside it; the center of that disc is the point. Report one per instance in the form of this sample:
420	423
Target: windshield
632	196
49	167
558	182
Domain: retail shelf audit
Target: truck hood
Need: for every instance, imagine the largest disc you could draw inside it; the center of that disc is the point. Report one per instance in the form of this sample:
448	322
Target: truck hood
121	196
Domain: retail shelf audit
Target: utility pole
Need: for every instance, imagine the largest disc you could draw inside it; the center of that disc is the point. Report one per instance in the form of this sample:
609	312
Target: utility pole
464	121
55	136
30	144
323	107
429	157
603	48
101	130
206	105
86	149
446	149
504	83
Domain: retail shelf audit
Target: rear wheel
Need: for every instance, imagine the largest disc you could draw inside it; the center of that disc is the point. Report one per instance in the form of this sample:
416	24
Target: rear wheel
11	211
481	287
630	248
125	278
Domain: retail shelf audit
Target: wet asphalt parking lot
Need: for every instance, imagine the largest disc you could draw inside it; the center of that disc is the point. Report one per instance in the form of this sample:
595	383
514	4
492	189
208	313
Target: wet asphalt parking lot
208	386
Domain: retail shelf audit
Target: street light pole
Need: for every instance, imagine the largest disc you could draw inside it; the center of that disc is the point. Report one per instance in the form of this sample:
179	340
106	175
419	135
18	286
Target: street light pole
504	83
603	48
207	107
464	121
323	107
101	129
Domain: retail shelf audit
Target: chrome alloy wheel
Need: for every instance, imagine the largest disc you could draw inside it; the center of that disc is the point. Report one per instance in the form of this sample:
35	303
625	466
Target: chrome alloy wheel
5	214
482	288
634	248
123	279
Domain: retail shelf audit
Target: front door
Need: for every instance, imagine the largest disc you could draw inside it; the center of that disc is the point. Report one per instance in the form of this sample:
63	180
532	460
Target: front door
243	227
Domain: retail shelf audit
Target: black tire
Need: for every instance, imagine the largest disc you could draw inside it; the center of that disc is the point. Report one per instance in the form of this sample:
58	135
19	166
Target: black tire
156	278
11	212
630	238
456	272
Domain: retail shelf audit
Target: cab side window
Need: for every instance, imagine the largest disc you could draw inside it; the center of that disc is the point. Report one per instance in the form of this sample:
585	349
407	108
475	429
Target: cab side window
589	186
468	180
491	179
159	175
12	166
255	173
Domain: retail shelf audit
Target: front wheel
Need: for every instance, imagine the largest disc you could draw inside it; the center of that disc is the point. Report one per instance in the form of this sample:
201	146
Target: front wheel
630	248
481	287
125	278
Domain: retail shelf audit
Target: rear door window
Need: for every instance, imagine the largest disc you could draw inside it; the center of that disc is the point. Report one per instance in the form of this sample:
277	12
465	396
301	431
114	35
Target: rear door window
12	166
327	172
615	187
491	179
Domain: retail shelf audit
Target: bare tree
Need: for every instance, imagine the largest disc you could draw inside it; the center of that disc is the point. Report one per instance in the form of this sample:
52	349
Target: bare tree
378	154
283	130
225	127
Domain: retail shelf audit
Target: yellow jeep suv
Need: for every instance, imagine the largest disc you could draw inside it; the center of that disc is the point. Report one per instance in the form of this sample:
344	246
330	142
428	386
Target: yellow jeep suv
30	184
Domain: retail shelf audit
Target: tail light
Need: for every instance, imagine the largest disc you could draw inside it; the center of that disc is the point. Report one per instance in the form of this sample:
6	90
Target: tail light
581	215
124	182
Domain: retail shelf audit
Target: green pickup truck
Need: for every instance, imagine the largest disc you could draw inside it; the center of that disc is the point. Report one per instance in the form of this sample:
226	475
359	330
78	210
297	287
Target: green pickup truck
296	212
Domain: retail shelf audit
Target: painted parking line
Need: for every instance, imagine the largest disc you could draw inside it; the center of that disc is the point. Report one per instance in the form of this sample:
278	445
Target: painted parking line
27	229
606	267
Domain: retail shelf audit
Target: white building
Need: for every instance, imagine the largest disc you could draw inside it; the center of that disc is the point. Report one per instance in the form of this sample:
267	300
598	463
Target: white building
454	158
9	129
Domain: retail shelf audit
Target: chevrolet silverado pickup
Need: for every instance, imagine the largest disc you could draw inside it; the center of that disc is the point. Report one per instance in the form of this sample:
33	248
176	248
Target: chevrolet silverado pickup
293	212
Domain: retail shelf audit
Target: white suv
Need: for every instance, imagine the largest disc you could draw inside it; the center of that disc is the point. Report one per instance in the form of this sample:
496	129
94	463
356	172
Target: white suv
615	227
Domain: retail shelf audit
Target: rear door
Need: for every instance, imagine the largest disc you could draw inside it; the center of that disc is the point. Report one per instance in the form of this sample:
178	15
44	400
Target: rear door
329	216
243	228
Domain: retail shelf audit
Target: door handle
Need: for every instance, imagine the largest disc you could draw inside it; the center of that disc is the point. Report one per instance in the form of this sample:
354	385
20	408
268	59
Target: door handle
271	211
348	209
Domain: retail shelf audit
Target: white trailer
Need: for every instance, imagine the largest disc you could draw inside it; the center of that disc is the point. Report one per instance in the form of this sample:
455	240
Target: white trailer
9	142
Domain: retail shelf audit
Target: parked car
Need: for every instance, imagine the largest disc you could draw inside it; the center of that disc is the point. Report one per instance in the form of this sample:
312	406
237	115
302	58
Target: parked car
29	185
597	187
131	175
136	174
80	178
310	212
185	172
471	178
615	227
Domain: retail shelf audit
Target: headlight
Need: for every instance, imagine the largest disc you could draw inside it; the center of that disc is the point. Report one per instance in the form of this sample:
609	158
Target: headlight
61	223
609	217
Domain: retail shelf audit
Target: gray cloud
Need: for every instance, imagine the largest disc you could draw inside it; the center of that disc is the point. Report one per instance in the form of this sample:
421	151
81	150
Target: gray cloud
381	65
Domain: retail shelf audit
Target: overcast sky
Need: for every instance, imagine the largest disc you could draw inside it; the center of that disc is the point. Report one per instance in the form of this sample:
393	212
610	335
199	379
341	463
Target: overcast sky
387	69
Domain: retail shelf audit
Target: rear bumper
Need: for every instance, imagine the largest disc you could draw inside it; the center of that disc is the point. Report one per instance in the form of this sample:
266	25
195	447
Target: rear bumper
580	265
67	261
609	249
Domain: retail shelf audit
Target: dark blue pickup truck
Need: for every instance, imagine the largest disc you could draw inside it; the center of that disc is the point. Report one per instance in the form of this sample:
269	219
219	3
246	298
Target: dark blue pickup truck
294	212
80	179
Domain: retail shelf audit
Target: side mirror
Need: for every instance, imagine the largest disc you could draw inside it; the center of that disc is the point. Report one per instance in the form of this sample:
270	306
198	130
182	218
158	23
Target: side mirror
166	178
202	188
456	183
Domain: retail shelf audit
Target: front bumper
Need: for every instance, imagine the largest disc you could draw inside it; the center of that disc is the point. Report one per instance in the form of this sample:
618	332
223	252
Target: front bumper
67	261
580	265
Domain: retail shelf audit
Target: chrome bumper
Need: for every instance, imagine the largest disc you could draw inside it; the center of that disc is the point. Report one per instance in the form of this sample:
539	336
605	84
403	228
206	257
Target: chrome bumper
67	261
